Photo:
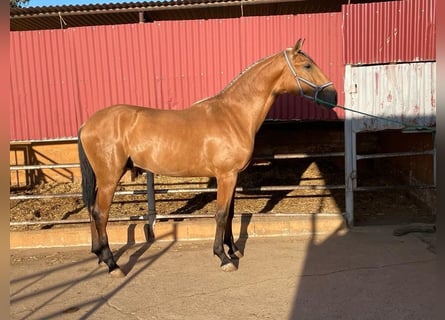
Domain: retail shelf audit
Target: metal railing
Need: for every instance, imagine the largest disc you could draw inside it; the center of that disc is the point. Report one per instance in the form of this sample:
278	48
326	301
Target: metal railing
150	186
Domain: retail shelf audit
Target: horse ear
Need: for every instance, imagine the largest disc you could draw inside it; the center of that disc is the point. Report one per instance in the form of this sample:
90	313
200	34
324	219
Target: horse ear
298	45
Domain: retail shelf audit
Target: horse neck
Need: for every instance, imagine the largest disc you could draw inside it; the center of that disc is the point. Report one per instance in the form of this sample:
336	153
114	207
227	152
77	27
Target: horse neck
250	96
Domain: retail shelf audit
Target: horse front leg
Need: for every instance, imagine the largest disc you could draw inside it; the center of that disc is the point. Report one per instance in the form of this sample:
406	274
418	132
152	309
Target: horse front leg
228	235
99	235
225	189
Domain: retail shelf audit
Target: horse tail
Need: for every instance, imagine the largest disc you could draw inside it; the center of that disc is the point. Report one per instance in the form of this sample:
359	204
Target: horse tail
88	177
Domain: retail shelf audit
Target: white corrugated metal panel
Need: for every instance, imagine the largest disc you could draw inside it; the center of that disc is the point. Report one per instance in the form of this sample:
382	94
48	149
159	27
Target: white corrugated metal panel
403	93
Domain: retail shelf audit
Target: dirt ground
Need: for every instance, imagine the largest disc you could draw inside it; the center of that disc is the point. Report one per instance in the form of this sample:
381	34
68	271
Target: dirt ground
376	207
366	273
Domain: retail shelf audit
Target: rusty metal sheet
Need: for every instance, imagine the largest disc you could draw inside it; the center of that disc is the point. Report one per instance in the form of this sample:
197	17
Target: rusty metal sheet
402	93
390	31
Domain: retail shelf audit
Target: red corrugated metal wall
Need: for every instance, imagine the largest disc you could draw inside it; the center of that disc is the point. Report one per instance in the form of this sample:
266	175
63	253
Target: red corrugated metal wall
386	32
60	77
44	86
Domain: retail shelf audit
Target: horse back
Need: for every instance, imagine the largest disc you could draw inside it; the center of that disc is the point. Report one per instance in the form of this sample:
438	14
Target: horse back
190	142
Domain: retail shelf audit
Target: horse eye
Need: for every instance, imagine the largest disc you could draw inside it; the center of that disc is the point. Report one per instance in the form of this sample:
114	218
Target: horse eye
307	66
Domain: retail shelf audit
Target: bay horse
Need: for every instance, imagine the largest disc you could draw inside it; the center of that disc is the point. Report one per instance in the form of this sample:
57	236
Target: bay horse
214	137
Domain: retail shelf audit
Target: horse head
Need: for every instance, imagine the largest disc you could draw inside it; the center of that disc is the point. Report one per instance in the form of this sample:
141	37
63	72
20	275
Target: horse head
307	79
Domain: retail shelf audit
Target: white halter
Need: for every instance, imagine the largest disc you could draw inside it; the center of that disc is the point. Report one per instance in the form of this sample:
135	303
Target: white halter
298	79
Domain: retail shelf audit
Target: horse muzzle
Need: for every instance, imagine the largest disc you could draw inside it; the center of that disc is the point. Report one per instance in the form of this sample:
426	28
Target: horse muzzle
326	97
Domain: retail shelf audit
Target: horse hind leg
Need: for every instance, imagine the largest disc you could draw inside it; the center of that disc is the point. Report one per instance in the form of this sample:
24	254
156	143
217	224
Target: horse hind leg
99	219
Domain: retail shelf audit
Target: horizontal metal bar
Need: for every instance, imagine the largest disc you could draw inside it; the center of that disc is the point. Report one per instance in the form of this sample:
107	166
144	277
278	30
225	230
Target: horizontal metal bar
188	190
45	196
261	157
213	190
394	187
161	217
394	154
121	219
298	156
45	166
253	189
20	142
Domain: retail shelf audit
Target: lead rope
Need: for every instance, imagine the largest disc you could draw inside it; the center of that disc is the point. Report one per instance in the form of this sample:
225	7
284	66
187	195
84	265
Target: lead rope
318	100
407	125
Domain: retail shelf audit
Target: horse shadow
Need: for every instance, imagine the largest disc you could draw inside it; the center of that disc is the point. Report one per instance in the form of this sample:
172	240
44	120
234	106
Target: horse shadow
284	138
265	171
131	243
272	174
198	201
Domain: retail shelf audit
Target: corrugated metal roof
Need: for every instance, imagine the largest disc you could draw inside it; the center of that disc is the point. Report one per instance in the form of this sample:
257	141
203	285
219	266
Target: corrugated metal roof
384	32
39	18
404	93
60	77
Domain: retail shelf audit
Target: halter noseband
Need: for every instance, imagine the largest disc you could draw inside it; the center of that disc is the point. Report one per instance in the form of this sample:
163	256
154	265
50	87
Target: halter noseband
298	79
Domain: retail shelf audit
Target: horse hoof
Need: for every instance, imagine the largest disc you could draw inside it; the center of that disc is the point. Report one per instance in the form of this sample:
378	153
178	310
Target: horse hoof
229	267
117	273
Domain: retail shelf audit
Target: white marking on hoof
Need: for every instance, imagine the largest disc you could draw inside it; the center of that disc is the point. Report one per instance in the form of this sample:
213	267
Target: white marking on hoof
238	254
117	273
229	267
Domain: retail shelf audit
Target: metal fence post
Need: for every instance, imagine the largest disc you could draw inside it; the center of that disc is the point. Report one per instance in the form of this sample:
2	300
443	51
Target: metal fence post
350	170
151	204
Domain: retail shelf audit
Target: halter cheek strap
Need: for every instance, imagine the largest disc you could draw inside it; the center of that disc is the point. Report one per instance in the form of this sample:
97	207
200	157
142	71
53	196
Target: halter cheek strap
297	78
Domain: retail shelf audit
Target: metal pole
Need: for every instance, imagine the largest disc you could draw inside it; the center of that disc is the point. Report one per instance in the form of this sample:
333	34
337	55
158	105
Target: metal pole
434	158
350	151
151	204
350	171
141	17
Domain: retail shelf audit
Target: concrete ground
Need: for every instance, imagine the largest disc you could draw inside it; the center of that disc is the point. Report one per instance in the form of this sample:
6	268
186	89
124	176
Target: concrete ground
362	273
